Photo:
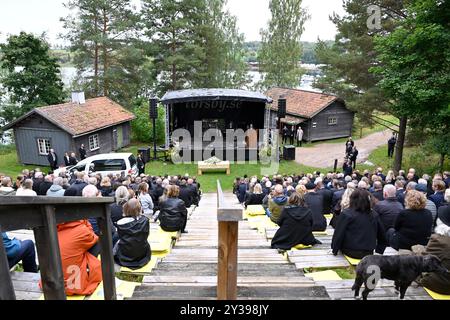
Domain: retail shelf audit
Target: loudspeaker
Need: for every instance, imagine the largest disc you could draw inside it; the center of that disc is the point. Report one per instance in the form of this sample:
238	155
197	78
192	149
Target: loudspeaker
289	153
145	154
153	108
281	108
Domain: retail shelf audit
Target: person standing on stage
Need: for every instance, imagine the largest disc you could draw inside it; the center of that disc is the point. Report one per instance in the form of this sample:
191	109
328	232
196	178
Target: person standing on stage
391	145
292	135
299	136
285	134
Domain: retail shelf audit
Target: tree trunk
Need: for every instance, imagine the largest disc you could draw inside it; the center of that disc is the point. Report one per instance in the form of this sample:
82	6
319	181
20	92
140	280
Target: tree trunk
441	163
174	66
105	55
96	57
400	144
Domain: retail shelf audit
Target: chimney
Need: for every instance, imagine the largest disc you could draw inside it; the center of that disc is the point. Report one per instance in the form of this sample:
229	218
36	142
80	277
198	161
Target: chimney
78	97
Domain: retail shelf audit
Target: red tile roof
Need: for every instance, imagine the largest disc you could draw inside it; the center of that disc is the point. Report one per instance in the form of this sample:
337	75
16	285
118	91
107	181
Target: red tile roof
300	102
79	119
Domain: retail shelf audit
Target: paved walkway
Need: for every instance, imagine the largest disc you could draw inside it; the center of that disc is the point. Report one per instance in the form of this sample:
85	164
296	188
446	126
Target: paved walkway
323	155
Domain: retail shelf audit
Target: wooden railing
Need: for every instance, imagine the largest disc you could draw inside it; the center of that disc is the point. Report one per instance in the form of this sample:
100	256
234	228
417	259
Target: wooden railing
43	214
228	218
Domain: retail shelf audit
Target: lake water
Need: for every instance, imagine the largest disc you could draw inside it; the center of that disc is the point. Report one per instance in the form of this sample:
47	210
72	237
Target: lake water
68	74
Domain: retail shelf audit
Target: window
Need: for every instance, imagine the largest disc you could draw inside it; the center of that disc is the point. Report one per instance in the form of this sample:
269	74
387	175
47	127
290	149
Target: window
94	143
132	160
44	146
109	165
332	121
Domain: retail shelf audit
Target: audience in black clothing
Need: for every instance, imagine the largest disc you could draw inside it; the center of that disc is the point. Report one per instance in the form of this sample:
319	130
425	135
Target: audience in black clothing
315	202
357	229
173	212
296	225
413	225
256	197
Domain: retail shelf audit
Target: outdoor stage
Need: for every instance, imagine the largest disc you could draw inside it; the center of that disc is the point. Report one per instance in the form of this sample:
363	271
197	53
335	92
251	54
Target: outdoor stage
229	124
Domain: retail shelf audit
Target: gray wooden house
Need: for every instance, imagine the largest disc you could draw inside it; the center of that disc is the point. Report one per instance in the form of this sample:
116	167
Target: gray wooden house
100	124
321	116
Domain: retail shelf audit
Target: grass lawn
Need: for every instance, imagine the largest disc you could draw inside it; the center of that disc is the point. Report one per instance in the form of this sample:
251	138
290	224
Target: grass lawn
9	165
413	157
208	180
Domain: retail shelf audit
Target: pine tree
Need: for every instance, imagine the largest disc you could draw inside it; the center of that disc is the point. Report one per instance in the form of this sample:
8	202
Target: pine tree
281	50
103	36
31	77
347	63
223	65
170	26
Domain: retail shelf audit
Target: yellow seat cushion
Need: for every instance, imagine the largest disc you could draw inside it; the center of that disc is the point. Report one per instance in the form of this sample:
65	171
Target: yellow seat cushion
301	247
255	210
328	275
437	296
352	261
145	269
124	289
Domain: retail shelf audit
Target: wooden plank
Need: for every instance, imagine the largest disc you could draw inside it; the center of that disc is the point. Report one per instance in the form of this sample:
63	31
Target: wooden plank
6	287
240	280
207	292
108	274
50	256
227	261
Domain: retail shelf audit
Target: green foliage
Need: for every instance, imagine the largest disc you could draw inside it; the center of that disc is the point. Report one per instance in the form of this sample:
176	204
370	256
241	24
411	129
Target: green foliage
348	60
281	49
107	53
142	126
415	65
30	77
194	44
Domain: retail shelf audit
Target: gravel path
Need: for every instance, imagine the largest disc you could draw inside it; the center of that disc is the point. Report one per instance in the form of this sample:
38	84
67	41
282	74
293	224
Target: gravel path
323	155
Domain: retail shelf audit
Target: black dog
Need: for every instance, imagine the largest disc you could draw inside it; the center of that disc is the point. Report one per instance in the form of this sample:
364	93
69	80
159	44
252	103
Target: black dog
401	269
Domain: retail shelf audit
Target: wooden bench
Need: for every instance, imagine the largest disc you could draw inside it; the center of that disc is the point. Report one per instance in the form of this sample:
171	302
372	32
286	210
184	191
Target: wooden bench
43	214
221	166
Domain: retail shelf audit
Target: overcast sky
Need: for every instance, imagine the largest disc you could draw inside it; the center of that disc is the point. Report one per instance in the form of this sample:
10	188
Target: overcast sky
39	16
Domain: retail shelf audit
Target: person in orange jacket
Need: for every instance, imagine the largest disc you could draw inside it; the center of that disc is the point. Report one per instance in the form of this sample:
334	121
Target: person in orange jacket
82	270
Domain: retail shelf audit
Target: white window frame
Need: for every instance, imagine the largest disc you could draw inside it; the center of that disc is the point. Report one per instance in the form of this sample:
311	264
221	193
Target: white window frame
94	142
332	121
44	146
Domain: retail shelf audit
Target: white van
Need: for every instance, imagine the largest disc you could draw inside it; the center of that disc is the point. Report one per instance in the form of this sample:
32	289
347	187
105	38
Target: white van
111	163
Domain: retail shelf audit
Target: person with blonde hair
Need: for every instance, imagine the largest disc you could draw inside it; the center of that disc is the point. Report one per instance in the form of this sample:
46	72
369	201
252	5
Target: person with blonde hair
296	225
132	249
122	196
413	225
256	197
146	200
173	212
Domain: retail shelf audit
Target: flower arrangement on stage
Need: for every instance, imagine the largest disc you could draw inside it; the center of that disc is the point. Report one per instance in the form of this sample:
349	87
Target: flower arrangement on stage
213	160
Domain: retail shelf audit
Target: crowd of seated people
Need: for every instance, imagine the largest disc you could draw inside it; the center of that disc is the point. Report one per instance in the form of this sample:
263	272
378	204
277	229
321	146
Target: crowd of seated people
370	212
138	200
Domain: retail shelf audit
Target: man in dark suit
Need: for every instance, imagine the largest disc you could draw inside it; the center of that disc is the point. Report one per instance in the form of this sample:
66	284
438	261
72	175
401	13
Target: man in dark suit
185	194
82	152
140	164
391	145
327	196
53	159
72	159
66	159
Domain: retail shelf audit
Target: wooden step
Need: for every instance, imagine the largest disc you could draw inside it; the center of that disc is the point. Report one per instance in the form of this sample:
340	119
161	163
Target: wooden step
150	292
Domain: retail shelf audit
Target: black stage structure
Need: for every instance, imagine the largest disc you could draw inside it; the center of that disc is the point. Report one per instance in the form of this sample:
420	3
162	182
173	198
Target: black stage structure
222	110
